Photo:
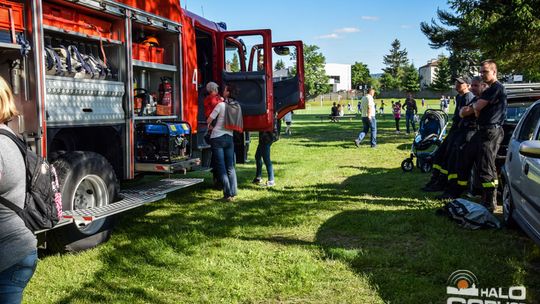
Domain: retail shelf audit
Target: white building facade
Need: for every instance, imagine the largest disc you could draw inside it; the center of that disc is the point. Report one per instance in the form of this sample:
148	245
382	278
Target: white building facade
428	73
340	76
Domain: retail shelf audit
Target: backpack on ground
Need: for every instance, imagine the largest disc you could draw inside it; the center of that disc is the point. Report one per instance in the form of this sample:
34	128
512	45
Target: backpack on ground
43	201
470	215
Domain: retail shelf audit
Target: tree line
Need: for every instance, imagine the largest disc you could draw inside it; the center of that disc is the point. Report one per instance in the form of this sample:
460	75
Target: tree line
506	31
471	31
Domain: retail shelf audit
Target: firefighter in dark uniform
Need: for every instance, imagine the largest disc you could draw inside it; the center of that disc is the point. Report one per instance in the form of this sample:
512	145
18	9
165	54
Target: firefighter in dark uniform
490	111
461	129
441	159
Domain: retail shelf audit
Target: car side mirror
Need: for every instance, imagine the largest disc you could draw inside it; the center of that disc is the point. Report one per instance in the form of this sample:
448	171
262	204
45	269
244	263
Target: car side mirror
530	148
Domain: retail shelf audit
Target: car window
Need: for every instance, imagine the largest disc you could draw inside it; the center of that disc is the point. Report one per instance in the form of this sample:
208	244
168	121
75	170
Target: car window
530	123
513	114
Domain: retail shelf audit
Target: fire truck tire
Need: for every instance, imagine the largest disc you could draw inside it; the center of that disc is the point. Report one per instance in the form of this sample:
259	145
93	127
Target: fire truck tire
87	180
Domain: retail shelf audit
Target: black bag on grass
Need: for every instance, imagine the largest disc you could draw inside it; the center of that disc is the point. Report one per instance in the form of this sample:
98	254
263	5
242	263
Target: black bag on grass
470	215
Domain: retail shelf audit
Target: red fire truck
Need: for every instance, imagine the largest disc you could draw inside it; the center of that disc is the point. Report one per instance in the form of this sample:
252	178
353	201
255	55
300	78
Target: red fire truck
112	90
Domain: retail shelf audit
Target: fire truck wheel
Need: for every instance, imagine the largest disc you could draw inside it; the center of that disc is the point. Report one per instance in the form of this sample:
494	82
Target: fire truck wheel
87	180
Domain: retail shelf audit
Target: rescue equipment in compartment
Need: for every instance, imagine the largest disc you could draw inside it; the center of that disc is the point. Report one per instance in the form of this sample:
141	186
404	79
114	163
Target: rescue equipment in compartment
151	41
164	106
162	142
144	103
69	62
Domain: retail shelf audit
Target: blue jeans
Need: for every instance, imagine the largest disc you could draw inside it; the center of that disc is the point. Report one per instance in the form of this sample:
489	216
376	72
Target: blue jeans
263	154
223	153
409	119
370	123
14	279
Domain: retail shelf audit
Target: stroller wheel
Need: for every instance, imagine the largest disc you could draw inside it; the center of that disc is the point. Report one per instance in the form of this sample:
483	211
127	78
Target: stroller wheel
407	165
426	167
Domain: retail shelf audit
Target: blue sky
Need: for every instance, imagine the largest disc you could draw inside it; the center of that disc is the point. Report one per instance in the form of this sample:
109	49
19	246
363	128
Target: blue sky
345	31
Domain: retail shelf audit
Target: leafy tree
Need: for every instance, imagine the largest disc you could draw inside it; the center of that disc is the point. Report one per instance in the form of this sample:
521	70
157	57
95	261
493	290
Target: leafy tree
396	60
443	77
359	75
411	79
464	63
280	65
506	31
235	64
389	82
315	78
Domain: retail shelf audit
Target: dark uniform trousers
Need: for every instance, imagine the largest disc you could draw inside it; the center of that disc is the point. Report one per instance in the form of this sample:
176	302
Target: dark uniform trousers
456	152
440	159
482	151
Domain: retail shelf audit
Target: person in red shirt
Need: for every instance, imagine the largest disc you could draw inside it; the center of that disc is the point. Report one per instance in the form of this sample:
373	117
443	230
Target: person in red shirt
212	99
210	102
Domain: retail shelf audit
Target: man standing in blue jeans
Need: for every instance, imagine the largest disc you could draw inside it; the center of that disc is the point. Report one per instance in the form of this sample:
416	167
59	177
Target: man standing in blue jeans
410	111
368	119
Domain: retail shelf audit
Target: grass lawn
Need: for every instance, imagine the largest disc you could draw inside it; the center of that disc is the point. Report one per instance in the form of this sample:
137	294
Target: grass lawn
342	225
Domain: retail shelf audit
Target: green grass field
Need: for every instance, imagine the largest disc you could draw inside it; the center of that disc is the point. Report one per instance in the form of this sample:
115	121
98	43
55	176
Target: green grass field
343	225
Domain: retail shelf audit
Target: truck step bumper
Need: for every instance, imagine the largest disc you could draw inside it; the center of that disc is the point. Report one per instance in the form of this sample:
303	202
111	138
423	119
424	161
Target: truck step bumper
131	198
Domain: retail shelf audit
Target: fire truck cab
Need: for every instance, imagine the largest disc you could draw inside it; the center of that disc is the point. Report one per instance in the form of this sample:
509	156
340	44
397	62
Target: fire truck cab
212	53
111	90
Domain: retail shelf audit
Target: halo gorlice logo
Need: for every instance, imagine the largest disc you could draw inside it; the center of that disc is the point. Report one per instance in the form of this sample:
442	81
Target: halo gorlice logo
463	289
463	283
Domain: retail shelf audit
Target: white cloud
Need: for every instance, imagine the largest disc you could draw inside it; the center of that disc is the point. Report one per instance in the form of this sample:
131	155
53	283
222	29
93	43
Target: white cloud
370	18
406	26
329	36
347	30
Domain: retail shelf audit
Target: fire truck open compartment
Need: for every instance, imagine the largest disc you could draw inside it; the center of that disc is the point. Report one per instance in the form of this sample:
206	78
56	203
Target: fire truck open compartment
162	140
122	115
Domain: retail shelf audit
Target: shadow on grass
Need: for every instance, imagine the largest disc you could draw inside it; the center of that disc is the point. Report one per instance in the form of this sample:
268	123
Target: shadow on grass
393	238
409	254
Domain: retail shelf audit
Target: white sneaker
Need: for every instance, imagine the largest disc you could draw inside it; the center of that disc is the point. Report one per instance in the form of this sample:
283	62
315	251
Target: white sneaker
361	136
357	142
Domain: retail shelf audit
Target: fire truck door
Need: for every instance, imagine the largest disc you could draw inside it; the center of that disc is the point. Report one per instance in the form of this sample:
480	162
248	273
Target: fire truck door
253	87
288	81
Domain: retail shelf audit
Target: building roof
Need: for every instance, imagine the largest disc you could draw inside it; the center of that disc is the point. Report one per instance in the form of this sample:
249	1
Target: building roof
431	63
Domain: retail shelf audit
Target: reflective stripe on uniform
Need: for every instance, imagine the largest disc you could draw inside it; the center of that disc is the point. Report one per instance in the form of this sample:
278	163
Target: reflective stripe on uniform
492	184
438	167
462	183
452	176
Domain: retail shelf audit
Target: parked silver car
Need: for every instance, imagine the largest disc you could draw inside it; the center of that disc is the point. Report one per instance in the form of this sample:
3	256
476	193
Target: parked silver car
521	175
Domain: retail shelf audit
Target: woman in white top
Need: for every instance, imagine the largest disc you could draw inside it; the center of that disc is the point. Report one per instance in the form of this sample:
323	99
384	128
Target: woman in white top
221	141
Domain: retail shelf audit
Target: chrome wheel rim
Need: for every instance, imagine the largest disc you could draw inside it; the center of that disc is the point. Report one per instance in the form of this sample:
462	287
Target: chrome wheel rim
91	192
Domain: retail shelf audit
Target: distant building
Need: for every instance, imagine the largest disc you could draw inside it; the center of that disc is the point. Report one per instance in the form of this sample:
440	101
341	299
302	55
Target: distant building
428	73
340	76
282	74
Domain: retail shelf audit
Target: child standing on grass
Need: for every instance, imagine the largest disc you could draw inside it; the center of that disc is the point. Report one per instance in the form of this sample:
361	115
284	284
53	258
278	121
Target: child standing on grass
397	114
288	122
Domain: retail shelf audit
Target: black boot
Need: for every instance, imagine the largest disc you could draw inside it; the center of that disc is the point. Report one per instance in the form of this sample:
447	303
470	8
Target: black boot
436	183
452	191
489	199
434	178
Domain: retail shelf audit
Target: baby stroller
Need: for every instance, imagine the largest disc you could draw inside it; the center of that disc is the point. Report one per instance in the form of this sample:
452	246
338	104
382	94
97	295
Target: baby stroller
427	140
